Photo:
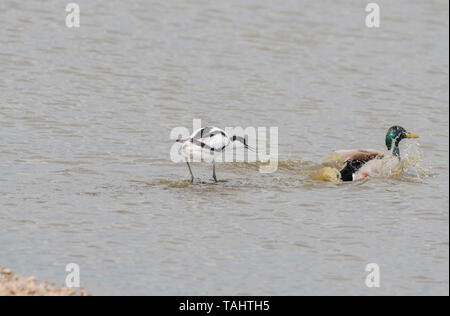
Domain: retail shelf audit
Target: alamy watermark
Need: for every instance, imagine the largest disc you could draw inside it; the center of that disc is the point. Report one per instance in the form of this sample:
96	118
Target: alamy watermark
373	18
373	278
73	16
73	275
258	144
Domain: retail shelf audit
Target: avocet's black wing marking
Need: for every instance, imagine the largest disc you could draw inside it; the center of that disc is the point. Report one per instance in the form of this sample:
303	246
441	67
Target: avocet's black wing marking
208	132
210	138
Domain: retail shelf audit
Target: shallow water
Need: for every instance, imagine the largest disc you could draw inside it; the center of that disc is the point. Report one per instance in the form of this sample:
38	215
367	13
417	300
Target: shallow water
85	118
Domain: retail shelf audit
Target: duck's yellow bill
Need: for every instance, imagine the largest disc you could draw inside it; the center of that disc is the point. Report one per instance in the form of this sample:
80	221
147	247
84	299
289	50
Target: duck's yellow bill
411	135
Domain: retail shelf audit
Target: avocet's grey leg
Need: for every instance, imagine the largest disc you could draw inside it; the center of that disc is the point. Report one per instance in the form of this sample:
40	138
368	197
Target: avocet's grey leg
214	171
190	170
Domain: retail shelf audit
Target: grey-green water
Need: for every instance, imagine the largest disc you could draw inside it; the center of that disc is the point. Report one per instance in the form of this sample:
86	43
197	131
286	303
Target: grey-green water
85	117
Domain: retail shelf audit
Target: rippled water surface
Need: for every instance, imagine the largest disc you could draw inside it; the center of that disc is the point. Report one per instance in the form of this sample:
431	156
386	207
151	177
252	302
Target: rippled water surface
85	119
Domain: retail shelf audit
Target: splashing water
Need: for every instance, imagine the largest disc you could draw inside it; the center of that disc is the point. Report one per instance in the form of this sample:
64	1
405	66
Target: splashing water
414	163
293	172
327	174
330	169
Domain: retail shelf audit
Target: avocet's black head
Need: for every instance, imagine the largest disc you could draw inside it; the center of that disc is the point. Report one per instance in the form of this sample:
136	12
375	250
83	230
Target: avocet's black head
394	136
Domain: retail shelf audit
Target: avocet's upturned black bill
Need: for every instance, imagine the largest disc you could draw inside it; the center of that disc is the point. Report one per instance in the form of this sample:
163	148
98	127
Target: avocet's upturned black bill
206	142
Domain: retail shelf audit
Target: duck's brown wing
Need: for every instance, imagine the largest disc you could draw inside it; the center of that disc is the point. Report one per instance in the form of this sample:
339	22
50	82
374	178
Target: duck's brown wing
363	155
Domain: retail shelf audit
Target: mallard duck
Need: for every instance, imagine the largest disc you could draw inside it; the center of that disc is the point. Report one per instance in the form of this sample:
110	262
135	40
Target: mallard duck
363	163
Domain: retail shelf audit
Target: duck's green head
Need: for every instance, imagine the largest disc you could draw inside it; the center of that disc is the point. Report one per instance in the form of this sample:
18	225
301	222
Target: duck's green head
395	135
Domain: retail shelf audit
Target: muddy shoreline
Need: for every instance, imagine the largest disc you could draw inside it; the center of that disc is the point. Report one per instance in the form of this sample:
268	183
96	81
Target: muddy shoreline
12	285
